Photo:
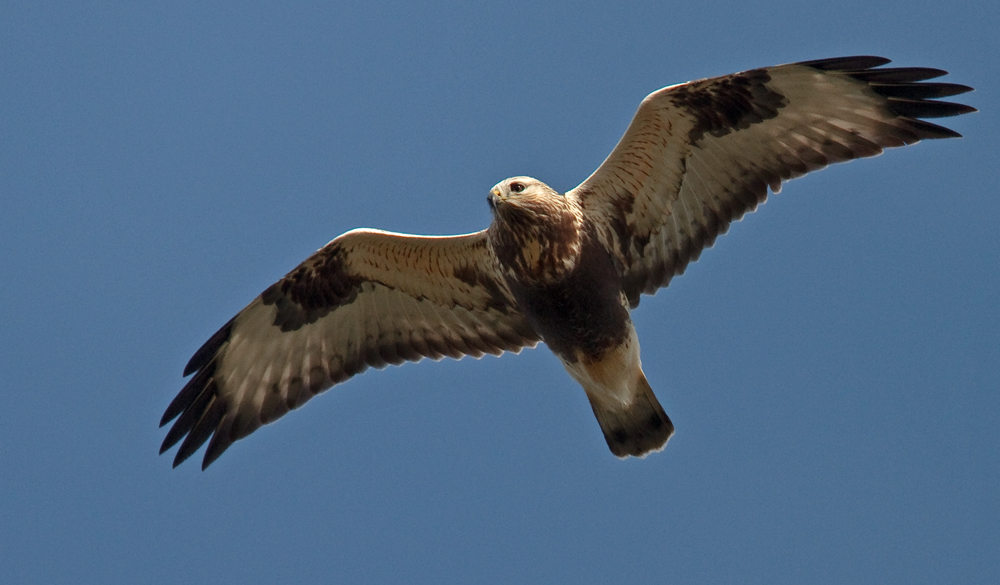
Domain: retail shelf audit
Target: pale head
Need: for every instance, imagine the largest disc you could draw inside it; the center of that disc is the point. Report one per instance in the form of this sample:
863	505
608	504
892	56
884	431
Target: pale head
536	232
520	191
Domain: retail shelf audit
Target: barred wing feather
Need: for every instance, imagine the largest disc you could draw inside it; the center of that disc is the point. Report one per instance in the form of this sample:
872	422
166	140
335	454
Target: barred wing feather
699	155
367	299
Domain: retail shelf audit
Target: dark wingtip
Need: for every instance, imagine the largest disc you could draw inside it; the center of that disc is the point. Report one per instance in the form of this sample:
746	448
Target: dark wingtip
221	441
208	422
920	90
197	404
846	63
931	131
908	108
200	410
905	96
207	351
206	461
188	394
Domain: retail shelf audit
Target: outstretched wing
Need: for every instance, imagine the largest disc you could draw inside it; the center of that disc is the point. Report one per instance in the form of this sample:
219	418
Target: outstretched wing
699	155
368	298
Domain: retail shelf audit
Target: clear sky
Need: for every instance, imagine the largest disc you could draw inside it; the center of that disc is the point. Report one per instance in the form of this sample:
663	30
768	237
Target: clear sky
832	364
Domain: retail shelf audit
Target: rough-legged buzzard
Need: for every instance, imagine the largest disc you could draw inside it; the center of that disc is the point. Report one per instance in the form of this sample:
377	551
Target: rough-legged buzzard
563	269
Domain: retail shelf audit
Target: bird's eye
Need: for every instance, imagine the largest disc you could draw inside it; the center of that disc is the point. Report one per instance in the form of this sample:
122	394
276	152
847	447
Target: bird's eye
517	187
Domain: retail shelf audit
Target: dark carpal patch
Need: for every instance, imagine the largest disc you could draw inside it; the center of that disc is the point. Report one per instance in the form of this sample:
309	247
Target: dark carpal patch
731	103
473	277
631	237
311	291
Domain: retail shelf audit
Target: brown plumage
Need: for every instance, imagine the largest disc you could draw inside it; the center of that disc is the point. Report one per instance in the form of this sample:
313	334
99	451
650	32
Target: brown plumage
563	269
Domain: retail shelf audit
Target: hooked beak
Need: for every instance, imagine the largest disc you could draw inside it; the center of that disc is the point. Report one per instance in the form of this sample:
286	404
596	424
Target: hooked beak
493	198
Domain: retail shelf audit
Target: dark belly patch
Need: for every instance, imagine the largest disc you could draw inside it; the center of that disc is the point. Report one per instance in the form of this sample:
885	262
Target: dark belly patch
581	315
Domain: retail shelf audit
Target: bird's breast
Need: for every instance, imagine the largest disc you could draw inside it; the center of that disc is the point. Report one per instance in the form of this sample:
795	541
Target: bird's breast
538	243
583	312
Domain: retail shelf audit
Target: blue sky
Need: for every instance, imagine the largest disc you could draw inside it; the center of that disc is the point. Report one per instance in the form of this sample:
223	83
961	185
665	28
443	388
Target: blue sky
832	365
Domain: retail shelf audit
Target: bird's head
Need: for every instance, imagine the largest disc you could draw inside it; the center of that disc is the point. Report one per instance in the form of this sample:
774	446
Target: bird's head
521	192
535	231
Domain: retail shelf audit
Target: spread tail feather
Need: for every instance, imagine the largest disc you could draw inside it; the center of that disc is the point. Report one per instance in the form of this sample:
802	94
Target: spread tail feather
637	428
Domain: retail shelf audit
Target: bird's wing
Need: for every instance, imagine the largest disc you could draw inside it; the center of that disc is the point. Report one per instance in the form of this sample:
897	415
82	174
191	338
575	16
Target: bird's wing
368	298
699	155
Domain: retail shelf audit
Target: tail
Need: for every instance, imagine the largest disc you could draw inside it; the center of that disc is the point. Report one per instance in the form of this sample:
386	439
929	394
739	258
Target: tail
638	428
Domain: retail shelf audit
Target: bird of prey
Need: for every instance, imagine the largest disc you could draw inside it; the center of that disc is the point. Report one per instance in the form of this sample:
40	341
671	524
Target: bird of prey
564	269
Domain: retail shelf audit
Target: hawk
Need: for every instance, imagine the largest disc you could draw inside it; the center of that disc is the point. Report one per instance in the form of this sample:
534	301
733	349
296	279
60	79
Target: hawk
564	269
